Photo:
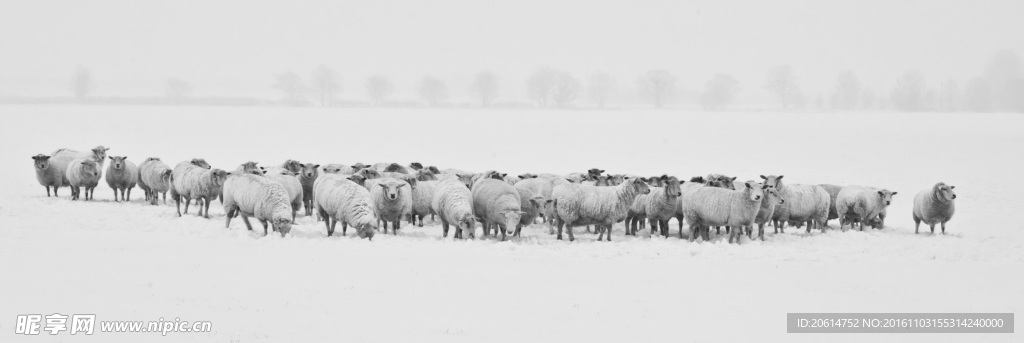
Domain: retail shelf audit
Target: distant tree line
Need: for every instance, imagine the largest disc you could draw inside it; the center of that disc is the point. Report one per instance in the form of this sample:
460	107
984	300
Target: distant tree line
999	87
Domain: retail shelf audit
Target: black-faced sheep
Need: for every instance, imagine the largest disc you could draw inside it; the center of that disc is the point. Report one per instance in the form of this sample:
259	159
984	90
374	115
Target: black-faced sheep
934	206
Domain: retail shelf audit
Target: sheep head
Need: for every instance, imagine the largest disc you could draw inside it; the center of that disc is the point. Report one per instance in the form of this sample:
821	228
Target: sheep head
944	193
886	196
99	153
90	166
391	189
366	230
198	162
671	186
755	191
773	180
772	195
511	219
282	225
639	186
117	162
309	170
292	166
416	166
41	161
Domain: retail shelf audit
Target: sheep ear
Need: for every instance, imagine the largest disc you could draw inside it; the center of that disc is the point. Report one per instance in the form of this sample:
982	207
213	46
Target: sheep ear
734	178
763	177
951	187
402	185
764	186
881	193
780	177
316	166
748	185
111	157
601	171
664	177
893	193
382	185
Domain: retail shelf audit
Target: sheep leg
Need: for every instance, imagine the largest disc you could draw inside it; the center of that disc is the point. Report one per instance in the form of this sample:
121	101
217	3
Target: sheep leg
706	232
588	229
519	228
421	220
331	227
559	230
129	198
917	225
718	231
394	226
693	232
47	191
571	236
933	228
264	223
760	231
327	222
503	230
227	222
206	210
444	228
165	198
177	201
943	228
245	219
115	194
609	228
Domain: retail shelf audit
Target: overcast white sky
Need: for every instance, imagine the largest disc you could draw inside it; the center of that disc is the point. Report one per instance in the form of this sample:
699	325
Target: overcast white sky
234	47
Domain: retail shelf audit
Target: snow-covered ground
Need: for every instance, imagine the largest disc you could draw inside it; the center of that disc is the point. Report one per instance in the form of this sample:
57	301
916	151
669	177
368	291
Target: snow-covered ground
131	261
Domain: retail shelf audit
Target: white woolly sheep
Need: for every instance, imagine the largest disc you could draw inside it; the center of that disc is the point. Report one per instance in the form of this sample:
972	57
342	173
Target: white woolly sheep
934	206
715	206
395	168
392	201
48	175
591	205
497	204
857	204
291	165
291	184
531	205
122	175
339	199
201	163
772	198
256	196
636	216
542	187
422	196
804	203
453	203
425	175
61	158
81	173
156	175
250	168
660	205
190	181
308	176
337	168
686	191
833	192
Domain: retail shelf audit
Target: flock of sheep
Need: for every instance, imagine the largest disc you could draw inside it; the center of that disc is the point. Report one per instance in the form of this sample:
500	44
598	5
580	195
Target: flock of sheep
372	197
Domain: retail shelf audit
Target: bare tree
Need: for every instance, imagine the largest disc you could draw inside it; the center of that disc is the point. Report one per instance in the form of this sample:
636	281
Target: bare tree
540	84
781	81
848	91
909	92
719	91
293	89
326	84
565	89
177	89
82	83
484	87
433	90
656	86
378	87
601	89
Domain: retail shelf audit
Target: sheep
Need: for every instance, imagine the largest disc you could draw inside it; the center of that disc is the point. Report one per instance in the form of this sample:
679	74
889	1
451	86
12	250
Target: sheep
369	173
833	192
61	159
201	163
531	205
576	177
496	203
804	203
48	175
655	181
256	196
339	199
395	168
636	216
617	179
337	168
593	173
415	166
190	180
490	174
857	204
512	179
660	205
715	206
250	168
391	200
542	187
157	177
82	172
583	205
933	206
308	176
721	181
686	191
291	184
422	196
291	165
453	204
772	198
425	175
122	175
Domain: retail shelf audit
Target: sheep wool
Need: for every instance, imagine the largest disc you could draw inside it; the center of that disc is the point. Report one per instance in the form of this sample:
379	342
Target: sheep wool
496	204
291	184
833	192
339	199
122	175
80	173
190	181
660	205
716	206
48	175
577	204
531	206
156	175
858	204
422	196
453	203
934	206
391	201
256	196
61	158
804	203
